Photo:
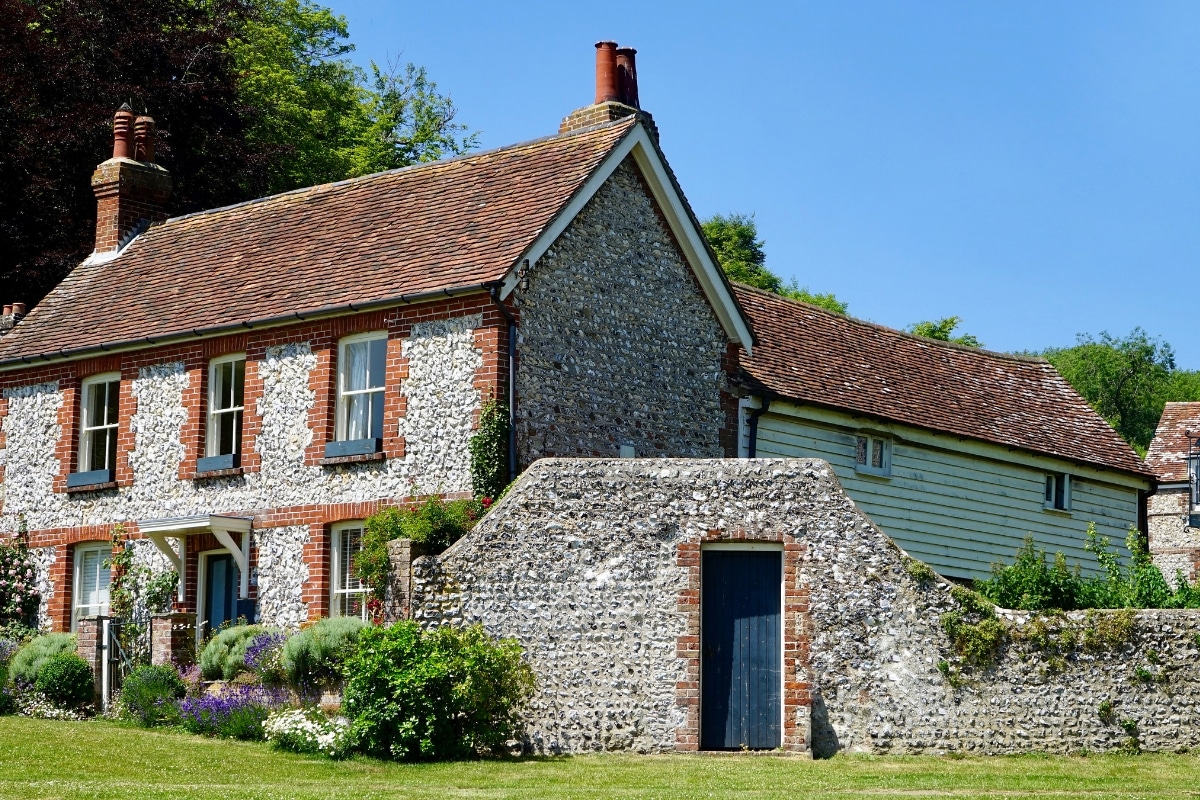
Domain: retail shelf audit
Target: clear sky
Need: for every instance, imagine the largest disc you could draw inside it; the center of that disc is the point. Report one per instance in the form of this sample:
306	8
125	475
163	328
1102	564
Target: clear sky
1032	167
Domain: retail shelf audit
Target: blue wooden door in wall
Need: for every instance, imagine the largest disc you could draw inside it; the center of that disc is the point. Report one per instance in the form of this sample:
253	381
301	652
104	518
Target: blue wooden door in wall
221	581
740	667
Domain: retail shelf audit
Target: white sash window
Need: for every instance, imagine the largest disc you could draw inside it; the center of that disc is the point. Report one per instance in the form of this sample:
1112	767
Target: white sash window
226	402
362	363
349	594
98	433
91	581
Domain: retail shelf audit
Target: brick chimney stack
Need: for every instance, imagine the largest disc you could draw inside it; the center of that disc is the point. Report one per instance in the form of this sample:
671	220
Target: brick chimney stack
131	190
616	91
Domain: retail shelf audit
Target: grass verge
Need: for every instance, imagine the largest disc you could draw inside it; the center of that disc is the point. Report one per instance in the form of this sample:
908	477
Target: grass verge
40	759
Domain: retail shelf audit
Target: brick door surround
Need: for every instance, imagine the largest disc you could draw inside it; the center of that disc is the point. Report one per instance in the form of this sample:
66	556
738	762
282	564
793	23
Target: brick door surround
795	627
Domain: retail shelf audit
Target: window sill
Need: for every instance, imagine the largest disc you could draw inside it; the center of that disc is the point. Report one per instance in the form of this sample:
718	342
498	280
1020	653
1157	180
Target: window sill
870	472
220	473
1061	512
91	487
333	461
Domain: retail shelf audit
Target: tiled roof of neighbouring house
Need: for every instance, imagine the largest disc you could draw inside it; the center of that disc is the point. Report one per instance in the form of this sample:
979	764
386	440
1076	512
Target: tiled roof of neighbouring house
449	224
815	356
1167	457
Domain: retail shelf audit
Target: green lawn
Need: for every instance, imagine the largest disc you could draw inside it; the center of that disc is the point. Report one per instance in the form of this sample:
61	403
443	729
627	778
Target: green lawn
101	760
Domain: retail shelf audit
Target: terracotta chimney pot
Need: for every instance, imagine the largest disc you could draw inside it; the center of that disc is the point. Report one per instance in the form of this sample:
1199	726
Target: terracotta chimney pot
606	72
18	309
627	76
143	132
122	122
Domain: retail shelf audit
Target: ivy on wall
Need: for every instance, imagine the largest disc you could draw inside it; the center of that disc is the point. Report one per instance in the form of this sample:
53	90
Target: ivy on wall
489	452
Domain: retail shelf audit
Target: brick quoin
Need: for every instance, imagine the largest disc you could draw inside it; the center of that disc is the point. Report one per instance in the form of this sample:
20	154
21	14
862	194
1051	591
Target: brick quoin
797	693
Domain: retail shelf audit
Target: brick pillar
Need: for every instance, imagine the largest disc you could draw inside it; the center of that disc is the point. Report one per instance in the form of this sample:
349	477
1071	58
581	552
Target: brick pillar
173	638
89	644
401	553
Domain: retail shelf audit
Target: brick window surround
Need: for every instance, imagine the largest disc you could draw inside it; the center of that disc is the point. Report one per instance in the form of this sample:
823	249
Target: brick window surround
797	695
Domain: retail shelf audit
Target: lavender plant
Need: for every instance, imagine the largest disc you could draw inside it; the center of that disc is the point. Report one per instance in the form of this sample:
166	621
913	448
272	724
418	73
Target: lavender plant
264	657
237	713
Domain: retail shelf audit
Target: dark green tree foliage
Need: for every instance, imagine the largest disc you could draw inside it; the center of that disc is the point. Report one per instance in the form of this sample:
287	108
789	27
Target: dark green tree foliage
322	114
943	330
65	66
734	239
430	695
1127	380
250	97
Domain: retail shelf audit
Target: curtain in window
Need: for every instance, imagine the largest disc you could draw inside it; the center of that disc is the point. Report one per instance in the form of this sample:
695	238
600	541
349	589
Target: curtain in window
350	591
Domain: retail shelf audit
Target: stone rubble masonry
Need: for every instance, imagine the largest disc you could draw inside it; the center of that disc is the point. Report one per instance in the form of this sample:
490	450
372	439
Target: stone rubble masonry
173	639
1174	544
398	601
438	378
617	343
591	565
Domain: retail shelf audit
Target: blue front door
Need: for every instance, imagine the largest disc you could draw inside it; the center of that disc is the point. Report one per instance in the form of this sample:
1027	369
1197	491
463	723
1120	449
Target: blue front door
740	666
221	582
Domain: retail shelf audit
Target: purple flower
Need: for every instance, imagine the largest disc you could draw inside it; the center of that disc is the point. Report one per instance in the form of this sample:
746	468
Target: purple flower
263	649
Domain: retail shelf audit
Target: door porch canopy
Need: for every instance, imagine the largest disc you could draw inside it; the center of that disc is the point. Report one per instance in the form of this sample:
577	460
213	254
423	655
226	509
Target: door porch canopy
225	529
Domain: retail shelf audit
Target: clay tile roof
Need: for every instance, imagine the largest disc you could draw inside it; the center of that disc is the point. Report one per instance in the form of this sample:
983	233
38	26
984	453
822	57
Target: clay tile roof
1167	456
814	356
448	224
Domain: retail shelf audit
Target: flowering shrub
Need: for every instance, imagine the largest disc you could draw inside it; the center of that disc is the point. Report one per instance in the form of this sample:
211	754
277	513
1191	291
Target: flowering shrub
149	695
306	730
237	713
225	655
263	657
35	704
19	596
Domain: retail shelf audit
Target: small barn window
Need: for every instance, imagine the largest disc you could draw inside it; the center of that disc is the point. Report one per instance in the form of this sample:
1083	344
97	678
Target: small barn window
873	455
1058	491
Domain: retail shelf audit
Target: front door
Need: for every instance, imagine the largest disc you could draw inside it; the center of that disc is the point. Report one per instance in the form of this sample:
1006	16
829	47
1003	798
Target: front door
221	581
740	667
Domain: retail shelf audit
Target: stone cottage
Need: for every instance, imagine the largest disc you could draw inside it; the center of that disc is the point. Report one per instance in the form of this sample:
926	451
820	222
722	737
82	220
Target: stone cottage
240	387
957	453
1173	514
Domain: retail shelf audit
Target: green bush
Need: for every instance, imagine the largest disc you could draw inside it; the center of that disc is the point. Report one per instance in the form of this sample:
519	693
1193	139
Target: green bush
489	452
28	662
313	657
434	522
442	694
1030	583
148	695
225	655
66	680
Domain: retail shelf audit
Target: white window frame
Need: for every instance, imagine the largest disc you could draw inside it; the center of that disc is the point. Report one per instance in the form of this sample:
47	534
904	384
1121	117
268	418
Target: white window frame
874	440
343	393
336	592
1052	482
77	608
212	439
85	454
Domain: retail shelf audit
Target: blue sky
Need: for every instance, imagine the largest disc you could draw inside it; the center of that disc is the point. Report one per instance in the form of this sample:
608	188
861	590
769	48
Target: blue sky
1031	167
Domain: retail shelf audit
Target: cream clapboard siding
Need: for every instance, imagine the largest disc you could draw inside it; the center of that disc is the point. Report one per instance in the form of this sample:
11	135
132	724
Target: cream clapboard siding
949	505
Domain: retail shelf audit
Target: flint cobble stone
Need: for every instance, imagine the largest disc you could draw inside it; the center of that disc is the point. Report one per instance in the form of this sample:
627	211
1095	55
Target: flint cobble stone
578	562
618	344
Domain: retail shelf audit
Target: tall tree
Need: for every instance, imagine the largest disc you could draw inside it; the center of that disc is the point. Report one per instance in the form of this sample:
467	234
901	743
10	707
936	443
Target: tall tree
250	97
943	330
1127	380
734	239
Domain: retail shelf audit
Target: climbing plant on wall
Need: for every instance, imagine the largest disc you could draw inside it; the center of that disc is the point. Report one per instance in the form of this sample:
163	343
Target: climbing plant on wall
19	596
489	452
